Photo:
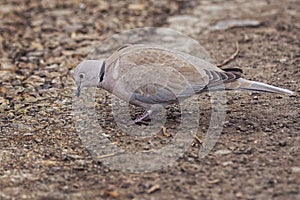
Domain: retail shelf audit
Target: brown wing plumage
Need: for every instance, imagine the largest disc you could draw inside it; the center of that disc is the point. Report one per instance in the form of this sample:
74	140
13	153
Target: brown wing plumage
178	75
217	79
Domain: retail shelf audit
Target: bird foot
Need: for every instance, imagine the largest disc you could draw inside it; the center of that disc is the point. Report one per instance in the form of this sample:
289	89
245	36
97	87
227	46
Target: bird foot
150	112
164	132
141	118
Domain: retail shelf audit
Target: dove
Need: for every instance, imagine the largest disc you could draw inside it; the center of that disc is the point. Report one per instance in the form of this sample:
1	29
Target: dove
182	76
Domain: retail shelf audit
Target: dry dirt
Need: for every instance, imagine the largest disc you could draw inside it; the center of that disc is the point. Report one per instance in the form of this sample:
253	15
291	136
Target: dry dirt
41	156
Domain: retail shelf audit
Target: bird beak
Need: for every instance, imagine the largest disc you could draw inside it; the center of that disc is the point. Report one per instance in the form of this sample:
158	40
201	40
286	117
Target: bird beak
78	89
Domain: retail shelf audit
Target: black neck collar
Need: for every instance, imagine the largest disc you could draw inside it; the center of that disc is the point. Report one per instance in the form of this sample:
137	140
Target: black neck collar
102	71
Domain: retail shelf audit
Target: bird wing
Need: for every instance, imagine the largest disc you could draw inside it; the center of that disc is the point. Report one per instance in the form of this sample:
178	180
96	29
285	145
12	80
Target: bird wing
167	75
154	94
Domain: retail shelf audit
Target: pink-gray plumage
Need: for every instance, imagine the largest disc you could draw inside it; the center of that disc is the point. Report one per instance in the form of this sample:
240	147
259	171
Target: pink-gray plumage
184	76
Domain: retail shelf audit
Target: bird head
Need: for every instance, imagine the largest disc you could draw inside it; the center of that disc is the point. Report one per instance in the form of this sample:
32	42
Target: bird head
89	73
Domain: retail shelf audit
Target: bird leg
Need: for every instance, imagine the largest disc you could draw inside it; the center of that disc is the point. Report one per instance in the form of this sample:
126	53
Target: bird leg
153	110
142	117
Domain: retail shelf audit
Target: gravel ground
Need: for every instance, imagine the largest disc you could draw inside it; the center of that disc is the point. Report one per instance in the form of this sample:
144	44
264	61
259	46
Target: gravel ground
41	155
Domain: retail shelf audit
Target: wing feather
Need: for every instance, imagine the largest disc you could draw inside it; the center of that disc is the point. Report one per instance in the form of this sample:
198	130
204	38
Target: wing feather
181	75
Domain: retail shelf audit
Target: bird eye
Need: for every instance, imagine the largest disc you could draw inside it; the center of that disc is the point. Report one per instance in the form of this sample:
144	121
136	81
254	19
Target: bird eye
81	75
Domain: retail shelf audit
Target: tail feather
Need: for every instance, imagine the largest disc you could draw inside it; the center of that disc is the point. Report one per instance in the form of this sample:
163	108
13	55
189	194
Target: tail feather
243	84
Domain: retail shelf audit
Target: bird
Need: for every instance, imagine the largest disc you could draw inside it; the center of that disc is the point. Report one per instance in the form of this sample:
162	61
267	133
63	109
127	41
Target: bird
178	76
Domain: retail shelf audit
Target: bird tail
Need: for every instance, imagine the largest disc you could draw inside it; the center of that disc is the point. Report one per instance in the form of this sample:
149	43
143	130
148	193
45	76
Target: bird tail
243	84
